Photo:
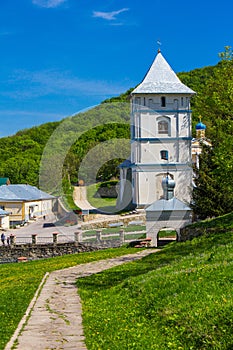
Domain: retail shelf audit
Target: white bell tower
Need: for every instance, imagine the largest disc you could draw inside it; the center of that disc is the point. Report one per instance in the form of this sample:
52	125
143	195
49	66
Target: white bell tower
160	134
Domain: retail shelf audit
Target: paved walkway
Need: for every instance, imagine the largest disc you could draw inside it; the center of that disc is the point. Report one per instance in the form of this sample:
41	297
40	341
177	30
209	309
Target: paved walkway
53	319
80	198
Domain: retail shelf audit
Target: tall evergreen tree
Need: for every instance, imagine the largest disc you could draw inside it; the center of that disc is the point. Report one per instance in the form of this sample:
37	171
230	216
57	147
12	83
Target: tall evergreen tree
213	191
213	194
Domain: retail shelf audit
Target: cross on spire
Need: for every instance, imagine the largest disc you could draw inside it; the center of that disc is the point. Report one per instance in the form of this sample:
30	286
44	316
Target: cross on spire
159	45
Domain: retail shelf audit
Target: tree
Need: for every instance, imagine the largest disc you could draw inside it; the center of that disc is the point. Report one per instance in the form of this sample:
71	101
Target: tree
226	55
212	195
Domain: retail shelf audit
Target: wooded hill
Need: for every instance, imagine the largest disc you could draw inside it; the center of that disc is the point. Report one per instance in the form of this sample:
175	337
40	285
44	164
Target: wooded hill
73	137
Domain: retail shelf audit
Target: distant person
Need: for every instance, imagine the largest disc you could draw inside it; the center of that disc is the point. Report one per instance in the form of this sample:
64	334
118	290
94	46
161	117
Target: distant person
3	237
8	240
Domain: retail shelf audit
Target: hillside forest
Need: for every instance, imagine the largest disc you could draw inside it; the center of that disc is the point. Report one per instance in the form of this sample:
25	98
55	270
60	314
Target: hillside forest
66	143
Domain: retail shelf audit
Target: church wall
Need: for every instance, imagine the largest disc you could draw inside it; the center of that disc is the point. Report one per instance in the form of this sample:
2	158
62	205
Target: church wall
185	152
150	152
148	127
153	101
183	188
148	183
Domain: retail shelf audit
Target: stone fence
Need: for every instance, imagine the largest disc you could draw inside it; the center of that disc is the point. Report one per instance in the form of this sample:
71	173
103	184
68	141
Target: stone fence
15	252
27	252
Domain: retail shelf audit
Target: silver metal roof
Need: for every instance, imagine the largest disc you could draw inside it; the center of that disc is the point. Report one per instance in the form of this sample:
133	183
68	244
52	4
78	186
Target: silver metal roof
173	204
22	193
126	164
161	79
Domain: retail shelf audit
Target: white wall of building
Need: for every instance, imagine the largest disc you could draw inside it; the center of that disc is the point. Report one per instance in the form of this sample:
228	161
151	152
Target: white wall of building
38	208
4	222
148	184
160	121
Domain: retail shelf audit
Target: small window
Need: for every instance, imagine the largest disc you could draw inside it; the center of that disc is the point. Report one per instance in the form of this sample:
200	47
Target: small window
163	127
150	103
182	101
164	154
176	104
163	101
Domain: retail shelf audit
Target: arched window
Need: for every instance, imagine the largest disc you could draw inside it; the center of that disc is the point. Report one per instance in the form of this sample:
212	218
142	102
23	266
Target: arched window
163	101
163	126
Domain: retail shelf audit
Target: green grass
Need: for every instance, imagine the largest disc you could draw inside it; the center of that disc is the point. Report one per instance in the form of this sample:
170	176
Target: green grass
107	231
19	282
105	204
223	222
133	228
178	299
167	233
135	236
67	199
130	228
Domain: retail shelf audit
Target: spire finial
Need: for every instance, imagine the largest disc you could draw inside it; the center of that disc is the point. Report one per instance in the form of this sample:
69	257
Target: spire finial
159	44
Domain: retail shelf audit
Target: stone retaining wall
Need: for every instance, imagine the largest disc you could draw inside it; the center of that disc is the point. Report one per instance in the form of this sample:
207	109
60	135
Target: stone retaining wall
189	232
40	251
105	223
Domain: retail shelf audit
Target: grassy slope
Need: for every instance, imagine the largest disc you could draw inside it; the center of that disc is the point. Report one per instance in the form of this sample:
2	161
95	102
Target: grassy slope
179	298
19	282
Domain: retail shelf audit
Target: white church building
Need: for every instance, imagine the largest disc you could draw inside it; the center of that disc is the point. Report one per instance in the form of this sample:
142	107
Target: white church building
161	138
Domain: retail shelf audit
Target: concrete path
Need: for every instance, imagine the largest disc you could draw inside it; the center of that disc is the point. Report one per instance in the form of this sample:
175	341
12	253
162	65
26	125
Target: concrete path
53	320
80	198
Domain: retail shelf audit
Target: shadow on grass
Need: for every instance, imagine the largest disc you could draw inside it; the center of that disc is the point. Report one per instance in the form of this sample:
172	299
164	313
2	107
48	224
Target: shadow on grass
110	209
168	255
225	221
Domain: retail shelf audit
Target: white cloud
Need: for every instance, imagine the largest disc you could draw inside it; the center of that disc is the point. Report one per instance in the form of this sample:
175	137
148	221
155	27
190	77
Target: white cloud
4	33
109	16
31	114
48	3
27	85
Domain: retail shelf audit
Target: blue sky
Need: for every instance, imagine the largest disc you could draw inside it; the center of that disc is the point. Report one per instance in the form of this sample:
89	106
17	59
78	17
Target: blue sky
61	56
